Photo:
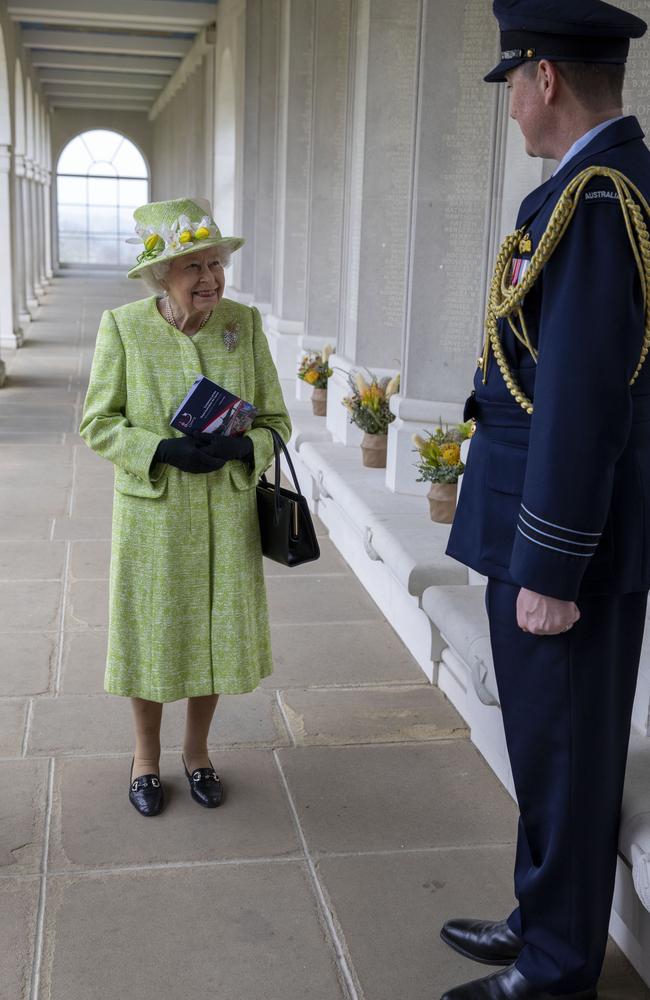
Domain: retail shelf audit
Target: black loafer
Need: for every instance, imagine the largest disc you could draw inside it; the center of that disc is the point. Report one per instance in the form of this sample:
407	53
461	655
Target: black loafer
491	943
146	794
509	984
205	786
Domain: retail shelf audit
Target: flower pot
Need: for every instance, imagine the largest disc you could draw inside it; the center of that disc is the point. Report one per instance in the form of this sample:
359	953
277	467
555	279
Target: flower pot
319	402
374	448
442	502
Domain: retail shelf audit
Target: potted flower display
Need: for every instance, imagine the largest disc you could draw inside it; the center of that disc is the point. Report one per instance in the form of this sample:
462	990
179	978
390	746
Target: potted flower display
315	371
441	466
368	406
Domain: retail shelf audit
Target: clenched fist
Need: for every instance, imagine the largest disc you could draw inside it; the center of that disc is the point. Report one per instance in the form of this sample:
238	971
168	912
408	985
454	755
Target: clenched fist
542	615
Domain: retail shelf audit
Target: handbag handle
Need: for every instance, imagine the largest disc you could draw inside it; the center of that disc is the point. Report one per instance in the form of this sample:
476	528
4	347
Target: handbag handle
280	447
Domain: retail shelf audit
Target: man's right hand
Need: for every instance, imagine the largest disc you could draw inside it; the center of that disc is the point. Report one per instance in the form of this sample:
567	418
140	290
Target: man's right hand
186	454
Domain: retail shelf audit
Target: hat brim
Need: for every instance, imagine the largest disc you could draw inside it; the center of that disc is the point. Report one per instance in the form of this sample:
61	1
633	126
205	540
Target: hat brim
230	243
498	74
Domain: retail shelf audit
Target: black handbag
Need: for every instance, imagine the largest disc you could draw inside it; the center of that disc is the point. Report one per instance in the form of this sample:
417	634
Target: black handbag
286	528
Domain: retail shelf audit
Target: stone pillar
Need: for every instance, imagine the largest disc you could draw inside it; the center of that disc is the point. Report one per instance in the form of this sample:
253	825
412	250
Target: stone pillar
286	321
36	202
47	217
28	237
379	168
265	207
459	138
327	177
7	333
22	319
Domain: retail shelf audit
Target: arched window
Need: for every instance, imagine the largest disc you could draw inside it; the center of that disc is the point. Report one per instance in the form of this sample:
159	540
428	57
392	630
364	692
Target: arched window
101	177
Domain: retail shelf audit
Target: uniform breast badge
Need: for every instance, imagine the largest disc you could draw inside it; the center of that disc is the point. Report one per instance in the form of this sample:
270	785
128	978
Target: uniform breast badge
526	244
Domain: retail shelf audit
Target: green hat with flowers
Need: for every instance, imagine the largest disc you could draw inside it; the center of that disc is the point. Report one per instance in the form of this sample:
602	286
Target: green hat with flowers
169	229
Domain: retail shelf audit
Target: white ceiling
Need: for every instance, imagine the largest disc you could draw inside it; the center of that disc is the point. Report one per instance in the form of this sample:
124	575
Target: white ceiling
108	53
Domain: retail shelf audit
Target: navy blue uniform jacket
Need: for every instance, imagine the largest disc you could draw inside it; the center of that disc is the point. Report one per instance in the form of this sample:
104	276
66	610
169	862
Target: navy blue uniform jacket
559	502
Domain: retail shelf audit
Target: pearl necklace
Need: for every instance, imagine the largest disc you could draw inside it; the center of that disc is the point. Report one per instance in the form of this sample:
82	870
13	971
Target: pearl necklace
169	316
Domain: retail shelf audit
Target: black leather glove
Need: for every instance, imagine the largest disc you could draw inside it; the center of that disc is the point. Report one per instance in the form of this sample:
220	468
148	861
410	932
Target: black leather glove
239	449
186	454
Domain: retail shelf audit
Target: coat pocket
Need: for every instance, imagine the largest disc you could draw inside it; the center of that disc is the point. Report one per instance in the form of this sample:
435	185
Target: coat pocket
505	475
132	486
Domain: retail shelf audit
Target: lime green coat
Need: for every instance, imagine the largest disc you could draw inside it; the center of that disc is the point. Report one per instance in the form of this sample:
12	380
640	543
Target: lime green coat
188	613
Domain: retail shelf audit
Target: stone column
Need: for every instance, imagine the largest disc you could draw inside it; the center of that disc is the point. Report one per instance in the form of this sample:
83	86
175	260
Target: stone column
380	139
36	205
22	318
459	139
28	237
47	193
7	331
327	177
47	224
265	207
286	321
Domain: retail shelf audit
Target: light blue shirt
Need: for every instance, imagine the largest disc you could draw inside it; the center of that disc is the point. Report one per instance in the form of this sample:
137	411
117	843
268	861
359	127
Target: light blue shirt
580	144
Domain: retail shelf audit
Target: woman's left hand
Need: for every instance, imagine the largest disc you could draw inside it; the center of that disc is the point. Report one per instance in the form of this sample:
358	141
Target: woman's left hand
239	448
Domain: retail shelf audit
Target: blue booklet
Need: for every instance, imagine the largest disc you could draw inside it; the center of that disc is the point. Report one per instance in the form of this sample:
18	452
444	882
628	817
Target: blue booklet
210	409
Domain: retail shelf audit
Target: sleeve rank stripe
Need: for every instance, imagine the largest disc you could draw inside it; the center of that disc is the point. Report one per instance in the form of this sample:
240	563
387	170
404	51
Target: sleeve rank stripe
553	548
560	527
557	538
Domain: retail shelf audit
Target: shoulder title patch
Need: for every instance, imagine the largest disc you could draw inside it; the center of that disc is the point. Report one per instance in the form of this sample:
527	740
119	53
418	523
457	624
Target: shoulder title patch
599	196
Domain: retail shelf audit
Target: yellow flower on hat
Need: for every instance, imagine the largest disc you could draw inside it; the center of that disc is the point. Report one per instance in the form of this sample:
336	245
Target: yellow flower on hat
152	242
202	233
185	236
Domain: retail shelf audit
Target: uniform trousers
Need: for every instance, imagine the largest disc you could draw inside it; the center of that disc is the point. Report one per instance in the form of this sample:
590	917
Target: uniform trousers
567	704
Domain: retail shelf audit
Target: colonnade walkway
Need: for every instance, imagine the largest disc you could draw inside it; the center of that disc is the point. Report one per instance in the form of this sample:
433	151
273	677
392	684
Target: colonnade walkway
359	815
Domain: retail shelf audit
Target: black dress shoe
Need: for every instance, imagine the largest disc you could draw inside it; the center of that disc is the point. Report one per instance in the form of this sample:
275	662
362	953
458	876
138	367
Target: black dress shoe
491	943
146	794
205	786
509	984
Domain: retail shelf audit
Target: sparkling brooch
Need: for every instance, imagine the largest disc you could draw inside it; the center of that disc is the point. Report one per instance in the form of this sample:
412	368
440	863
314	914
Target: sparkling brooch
231	336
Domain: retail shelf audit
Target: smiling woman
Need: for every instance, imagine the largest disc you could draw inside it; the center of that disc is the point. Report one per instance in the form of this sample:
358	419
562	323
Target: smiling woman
188	613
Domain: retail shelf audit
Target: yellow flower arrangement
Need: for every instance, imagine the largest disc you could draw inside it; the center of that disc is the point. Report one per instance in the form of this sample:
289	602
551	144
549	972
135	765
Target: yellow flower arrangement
439	454
369	402
314	368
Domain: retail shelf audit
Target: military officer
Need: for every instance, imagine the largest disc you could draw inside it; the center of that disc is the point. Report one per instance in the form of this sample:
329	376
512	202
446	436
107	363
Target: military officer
555	504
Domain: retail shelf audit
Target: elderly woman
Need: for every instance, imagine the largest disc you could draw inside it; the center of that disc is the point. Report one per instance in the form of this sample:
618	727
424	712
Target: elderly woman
188	613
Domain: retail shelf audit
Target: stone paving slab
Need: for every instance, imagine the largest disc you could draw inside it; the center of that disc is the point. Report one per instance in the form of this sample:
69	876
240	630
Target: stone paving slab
22	794
33	500
83	662
18	907
33	605
391	907
27	662
93	502
350	654
102	724
371	715
27	439
13	713
25	527
35	455
67	528
31	560
312	599
253	821
241	932
36	474
90	560
408	796
87	604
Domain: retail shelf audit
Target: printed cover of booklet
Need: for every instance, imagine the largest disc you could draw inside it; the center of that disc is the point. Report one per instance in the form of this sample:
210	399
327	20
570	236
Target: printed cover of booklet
208	408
